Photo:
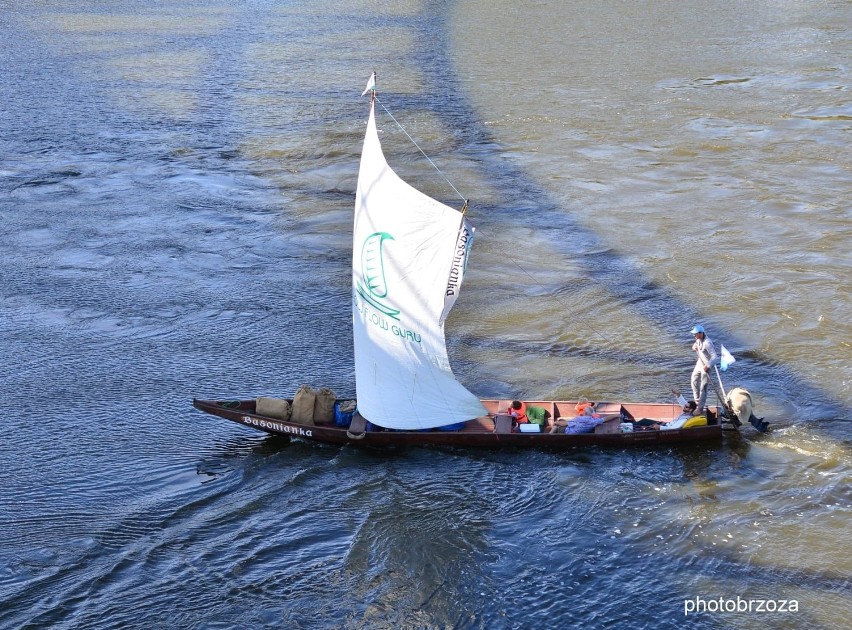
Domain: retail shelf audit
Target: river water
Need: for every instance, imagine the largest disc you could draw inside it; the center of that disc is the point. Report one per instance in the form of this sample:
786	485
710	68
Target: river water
176	190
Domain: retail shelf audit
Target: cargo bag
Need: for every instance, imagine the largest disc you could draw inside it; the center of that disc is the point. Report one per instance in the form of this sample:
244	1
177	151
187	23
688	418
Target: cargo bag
324	406
272	407
303	405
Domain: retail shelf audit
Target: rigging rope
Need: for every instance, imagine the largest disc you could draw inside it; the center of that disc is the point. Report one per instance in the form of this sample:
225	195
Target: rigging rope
462	197
517	264
464	210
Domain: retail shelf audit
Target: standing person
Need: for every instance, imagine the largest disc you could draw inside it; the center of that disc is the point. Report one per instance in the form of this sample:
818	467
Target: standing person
707	358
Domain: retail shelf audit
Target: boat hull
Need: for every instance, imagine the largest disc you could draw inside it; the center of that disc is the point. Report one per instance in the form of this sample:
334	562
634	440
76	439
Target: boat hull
477	433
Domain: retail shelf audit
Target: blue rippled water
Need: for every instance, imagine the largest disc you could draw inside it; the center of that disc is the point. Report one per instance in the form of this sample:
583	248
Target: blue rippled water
176	185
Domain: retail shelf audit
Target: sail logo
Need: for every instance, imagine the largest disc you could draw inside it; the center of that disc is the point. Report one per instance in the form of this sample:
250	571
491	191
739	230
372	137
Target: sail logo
373	285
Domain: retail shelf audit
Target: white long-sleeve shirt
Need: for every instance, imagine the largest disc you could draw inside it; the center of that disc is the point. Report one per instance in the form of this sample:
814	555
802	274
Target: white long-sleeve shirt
677	423
706	352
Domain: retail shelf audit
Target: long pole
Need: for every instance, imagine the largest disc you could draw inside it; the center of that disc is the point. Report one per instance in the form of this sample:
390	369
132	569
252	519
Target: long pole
719	376
723	397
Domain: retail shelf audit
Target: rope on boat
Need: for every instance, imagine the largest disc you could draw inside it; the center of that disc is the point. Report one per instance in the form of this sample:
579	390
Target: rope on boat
374	97
462	197
513	260
727	412
358	423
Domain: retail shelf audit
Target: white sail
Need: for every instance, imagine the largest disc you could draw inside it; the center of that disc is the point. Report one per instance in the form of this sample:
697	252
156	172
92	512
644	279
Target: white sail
408	258
458	267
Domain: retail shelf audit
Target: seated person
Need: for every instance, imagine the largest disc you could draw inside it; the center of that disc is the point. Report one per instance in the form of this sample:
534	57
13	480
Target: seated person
690	410
585	422
585	409
538	415
518	411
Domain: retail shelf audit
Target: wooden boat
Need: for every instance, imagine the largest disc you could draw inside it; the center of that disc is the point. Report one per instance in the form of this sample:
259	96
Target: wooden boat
409	257
483	431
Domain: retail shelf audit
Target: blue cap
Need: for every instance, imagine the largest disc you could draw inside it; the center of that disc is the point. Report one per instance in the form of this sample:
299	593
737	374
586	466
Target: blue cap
697	329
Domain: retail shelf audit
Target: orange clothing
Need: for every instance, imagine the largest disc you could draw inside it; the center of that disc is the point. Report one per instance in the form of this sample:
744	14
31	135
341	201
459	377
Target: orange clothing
581	408
520	415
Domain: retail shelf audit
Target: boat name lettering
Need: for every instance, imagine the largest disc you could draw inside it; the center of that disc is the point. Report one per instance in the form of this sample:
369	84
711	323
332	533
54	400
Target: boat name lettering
276	426
459	259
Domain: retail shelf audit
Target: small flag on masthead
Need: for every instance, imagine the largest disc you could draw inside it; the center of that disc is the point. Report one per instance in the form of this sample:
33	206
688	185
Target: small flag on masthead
371	84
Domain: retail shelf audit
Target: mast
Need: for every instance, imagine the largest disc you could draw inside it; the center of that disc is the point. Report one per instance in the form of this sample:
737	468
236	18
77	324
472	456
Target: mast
408	255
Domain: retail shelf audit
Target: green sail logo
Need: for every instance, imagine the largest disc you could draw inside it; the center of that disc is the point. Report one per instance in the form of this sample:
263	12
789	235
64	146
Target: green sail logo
373	286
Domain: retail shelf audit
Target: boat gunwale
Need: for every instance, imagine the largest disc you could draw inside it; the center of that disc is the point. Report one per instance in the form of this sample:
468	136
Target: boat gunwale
243	412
